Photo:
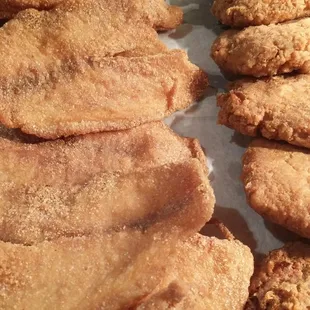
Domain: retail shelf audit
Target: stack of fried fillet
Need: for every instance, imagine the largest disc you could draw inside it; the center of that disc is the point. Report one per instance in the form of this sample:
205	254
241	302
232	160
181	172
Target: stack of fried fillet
108	219
272	101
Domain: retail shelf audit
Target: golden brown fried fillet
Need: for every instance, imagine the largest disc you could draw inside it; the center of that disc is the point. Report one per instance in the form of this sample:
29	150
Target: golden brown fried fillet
108	94
282	280
92	72
276	181
100	181
207	274
244	13
76	160
9	8
98	272
156	12
277	108
265	50
32	212
126	270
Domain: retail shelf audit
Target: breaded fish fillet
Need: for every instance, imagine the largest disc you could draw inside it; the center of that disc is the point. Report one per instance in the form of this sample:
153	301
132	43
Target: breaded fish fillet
32	212
92	72
278	108
282	280
124	93
156	12
276	180
265	50
243	13
8	8
77	159
208	274
126	270
100	182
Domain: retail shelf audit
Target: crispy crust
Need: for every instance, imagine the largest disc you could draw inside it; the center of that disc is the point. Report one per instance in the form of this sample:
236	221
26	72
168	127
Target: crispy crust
277	108
282	280
208	274
199	273
95	72
286	49
156	12
244	13
276	181
161	84
124	178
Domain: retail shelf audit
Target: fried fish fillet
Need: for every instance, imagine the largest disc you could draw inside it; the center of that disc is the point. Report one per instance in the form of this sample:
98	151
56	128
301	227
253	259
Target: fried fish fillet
124	92
265	50
126	270
77	159
8	8
277	108
282	280
100	182
97	272
32	212
208	274
244	13
94	73
276	181
156	12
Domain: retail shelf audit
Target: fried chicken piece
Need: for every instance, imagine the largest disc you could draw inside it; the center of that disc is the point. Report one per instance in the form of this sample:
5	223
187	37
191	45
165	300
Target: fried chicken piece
285	49
94	73
126	270
99	182
282	280
276	180
244	13
277	108
208	274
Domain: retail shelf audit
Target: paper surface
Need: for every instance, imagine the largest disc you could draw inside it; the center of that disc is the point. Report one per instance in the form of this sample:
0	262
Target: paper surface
224	147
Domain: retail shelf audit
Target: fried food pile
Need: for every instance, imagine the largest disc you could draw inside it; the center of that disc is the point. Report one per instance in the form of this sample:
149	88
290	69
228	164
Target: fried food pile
106	213
269	63
84	66
116	215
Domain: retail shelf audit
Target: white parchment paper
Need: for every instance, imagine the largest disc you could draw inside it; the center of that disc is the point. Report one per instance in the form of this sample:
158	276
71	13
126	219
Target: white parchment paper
224	147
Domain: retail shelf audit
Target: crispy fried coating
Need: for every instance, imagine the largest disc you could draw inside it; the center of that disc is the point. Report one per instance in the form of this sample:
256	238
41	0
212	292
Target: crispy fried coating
276	180
277	108
265	50
100	182
97	272
9	8
124	92
208	274
92	72
33	212
282	280
79	158
156	12
126	270
244	13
